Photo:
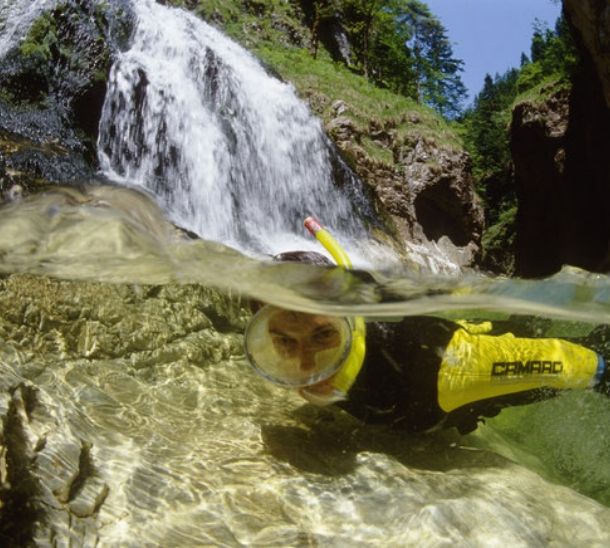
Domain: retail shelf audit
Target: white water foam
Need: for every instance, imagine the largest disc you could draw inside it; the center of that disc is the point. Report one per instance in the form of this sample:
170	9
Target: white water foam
231	152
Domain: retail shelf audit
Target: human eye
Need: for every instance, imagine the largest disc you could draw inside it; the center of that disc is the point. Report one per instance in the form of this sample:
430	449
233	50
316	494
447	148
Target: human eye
325	335
284	341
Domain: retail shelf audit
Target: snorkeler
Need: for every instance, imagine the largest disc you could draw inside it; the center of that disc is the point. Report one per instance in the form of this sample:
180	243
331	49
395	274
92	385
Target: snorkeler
417	374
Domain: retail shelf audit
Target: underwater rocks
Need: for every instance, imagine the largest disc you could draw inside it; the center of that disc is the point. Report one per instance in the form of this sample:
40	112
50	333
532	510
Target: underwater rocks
53	479
49	488
104	321
53	87
129	417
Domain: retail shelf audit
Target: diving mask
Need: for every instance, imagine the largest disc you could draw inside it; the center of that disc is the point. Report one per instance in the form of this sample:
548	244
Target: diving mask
296	349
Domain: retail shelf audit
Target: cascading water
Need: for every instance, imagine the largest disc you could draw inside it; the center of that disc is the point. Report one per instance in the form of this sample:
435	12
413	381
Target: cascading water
231	152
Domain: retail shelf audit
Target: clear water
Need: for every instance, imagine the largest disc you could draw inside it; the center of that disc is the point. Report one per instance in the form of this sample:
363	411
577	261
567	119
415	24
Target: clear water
118	235
189	447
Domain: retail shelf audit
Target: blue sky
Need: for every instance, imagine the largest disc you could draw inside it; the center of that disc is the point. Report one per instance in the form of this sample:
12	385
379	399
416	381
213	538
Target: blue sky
490	35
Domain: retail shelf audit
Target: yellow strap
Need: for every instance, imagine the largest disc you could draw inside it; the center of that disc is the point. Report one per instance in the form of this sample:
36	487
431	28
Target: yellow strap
346	376
477	328
476	367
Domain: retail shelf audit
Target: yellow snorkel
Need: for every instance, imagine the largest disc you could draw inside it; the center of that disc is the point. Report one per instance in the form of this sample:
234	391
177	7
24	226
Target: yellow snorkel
345	377
328	241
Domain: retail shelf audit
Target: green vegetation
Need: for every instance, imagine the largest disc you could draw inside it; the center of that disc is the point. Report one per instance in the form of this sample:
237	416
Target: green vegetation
45	44
289	37
283	35
323	81
499	239
41	38
398	45
553	55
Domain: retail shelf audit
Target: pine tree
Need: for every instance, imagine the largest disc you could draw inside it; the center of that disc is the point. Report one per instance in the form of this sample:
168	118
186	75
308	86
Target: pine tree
443	86
487	135
399	44
437	72
363	16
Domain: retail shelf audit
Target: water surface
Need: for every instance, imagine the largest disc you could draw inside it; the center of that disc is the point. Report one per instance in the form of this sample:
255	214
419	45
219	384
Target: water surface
109	320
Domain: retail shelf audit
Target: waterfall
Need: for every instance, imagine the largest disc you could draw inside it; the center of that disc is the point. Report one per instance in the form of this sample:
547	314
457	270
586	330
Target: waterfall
231	152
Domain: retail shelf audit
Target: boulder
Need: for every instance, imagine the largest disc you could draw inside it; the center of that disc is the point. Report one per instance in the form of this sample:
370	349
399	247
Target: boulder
424	191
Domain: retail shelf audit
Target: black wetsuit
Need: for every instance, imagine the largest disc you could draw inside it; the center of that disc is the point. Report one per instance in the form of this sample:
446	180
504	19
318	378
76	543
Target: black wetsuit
397	384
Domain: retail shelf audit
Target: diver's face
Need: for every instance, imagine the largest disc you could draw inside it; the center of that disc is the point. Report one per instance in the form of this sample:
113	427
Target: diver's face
302	336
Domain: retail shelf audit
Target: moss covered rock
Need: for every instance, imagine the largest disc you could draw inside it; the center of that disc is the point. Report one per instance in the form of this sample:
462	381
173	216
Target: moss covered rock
53	86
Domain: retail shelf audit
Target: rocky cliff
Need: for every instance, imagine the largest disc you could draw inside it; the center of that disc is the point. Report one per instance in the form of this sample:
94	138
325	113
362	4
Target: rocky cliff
562	167
591	19
53	84
426	189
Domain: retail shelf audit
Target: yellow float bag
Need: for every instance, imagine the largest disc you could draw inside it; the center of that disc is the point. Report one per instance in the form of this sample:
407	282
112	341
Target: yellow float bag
476	366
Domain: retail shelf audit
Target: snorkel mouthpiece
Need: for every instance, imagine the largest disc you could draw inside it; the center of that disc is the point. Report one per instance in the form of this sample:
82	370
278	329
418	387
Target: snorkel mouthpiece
342	381
312	225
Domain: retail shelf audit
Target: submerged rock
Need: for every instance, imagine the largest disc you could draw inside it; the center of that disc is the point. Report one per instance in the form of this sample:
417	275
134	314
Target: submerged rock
130	417
54	481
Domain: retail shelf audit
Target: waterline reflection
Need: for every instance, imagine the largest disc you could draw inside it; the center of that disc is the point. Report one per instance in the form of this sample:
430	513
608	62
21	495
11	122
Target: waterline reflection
119	235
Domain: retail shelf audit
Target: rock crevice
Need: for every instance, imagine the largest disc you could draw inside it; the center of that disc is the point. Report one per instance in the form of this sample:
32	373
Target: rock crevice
562	167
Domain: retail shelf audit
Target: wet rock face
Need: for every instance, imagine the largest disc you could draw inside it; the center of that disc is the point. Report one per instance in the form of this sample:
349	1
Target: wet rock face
592	19
53	87
427	190
562	167
538	148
